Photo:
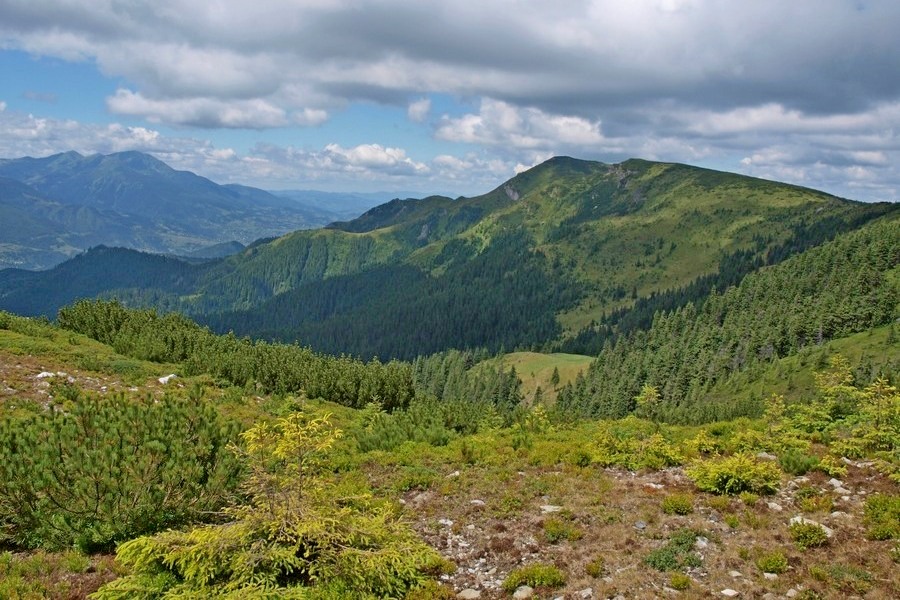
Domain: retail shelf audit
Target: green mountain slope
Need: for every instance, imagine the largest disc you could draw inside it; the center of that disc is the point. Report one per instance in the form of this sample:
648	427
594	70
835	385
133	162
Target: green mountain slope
565	254
846	286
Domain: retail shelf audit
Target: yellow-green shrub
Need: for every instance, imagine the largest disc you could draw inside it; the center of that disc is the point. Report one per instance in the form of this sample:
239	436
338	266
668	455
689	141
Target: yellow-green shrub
305	532
535	575
732	475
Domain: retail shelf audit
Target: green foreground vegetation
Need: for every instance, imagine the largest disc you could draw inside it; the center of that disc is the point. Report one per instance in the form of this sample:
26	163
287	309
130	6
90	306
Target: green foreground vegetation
231	482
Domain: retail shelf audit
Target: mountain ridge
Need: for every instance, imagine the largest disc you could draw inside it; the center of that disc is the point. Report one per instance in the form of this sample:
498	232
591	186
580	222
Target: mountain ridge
568	243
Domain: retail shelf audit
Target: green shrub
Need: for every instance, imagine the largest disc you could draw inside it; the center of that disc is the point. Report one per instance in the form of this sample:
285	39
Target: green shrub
719	503
109	469
797	463
596	567
882	517
415	478
556	530
678	504
735	474
831	467
749	498
431	590
676	553
816	503
772	562
679	581
535	575
808	535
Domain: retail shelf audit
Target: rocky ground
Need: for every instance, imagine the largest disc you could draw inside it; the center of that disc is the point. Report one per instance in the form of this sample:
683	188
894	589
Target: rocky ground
489	524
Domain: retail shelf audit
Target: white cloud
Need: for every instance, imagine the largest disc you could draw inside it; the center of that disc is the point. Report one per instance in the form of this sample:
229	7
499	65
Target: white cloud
501	124
418	110
204	112
681	80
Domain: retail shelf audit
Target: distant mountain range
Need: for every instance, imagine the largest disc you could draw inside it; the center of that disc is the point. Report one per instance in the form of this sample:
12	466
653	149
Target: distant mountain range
560	257
55	207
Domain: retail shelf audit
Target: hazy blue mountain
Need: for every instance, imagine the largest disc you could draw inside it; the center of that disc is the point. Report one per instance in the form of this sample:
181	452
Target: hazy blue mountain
341	205
57	206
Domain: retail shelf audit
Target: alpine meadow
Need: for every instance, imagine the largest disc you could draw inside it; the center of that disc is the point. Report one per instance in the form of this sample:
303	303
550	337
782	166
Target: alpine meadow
265	335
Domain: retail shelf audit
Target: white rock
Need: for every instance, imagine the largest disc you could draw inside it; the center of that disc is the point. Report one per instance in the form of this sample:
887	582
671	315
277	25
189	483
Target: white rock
791	593
766	456
702	543
167	378
655	486
44	375
842	491
835	482
770	576
550	508
774	506
454	474
523	592
585	593
730	593
735	574
469	594
445	522
476	502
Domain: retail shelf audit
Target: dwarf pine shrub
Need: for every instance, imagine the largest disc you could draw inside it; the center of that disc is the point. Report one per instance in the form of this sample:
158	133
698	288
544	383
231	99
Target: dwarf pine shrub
104	470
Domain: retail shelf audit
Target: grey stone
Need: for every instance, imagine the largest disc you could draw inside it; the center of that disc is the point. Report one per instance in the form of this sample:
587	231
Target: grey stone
469	594
585	593
730	593
770	576
775	506
523	592
735	574
640	525
791	593
550	508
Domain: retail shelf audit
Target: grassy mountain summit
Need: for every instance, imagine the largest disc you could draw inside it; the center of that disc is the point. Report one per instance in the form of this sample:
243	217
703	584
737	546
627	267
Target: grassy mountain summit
554	255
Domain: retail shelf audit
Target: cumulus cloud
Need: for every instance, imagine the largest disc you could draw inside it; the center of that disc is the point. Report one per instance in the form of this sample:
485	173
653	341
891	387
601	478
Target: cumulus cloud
418	110
502	124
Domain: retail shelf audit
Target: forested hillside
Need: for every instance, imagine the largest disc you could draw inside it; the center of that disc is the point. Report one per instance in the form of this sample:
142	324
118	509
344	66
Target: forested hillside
849	285
563	257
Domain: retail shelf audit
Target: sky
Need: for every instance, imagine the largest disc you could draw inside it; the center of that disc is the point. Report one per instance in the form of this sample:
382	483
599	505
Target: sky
457	96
